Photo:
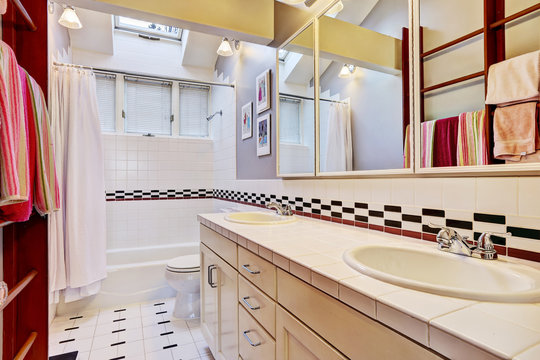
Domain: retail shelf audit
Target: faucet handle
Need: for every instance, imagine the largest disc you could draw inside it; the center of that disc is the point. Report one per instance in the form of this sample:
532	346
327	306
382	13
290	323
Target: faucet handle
484	241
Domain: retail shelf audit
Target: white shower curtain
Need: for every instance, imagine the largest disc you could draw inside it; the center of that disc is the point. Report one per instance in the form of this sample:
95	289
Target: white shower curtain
339	139
77	233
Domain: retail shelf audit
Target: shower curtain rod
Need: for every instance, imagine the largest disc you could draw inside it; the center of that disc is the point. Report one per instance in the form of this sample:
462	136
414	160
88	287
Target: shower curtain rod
307	98
151	77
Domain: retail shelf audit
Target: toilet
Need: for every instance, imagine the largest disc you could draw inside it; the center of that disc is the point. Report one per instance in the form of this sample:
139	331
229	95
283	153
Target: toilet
183	275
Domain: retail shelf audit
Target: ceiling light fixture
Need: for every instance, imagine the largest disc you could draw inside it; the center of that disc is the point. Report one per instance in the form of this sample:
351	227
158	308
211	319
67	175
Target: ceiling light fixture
70	19
346	71
225	48
293	2
334	10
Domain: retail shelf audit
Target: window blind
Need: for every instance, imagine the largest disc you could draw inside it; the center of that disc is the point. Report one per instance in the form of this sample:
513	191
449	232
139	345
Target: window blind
193	110
106	97
147	106
289	121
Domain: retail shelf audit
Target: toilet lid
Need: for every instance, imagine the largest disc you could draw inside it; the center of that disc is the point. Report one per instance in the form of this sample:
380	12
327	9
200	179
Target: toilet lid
187	263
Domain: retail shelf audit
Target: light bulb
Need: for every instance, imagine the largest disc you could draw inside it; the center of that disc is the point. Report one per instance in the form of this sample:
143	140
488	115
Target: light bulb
345	72
225	48
70	19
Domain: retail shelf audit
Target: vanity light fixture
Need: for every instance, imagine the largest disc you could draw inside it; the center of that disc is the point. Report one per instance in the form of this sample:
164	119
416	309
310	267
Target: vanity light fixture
346	71
293	2
334	10
225	48
70	19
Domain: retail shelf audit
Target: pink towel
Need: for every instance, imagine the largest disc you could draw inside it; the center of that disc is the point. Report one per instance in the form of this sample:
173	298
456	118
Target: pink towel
473	139
14	171
428	136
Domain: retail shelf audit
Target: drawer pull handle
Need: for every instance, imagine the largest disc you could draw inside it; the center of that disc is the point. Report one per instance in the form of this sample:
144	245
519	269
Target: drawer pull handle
246	332
251	307
210	276
252	272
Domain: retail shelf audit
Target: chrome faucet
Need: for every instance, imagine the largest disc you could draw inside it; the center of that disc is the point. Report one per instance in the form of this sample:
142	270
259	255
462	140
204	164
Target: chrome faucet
451	241
280	209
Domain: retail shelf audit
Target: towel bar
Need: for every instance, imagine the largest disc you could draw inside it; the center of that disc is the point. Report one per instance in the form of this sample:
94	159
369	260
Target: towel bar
26	346
18	288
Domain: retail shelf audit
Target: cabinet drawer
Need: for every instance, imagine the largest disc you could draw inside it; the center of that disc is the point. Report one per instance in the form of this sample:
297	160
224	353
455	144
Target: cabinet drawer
254	342
260	306
225	248
257	270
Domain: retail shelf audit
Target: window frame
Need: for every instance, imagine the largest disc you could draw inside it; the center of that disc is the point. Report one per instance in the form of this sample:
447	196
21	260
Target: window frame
147	32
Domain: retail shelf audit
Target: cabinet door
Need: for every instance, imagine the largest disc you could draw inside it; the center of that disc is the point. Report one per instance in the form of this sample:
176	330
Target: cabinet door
209	293
227	300
294	341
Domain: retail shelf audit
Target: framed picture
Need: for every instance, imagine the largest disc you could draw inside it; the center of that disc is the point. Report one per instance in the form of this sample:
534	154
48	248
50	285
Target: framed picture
247	120
263	135
262	86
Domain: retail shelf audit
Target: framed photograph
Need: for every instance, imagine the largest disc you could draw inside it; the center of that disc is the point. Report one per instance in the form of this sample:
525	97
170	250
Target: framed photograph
263	135
262	86
247	120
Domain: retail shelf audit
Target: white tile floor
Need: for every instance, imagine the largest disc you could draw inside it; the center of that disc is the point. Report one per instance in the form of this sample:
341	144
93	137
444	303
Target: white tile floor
146	331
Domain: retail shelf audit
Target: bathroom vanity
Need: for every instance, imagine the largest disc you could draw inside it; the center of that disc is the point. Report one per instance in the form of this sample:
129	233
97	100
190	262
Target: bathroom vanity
254	308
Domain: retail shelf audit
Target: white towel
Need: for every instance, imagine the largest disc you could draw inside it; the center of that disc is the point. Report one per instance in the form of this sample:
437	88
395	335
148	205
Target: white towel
514	79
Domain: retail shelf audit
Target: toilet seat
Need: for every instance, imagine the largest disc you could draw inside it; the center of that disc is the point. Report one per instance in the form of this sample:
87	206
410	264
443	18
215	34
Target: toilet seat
185	264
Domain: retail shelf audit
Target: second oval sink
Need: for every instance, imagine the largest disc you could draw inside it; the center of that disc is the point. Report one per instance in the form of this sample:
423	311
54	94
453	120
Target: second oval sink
441	273
259	218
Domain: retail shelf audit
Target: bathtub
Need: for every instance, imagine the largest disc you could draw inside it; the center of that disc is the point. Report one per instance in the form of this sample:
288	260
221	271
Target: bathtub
133	275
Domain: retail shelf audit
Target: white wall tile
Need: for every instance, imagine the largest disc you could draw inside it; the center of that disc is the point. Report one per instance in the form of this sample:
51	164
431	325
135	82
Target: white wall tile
497	195
459	194
529	196
428	193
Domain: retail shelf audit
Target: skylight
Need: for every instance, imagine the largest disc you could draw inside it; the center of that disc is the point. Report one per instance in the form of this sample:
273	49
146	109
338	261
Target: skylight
283	55
148	28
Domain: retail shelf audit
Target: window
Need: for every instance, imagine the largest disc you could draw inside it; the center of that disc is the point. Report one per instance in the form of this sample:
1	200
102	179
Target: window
282	54
147	106
106	97
289	120
148	28
193	110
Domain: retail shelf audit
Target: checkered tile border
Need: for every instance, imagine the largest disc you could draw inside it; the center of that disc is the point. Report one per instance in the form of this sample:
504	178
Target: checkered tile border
400	220
123	195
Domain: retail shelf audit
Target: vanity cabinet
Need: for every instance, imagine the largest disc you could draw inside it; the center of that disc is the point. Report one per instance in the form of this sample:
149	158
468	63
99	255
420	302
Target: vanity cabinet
272	315
219	299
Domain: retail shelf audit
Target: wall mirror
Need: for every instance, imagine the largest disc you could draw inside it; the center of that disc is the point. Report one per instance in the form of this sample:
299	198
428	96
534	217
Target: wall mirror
364	108
296	106
459	131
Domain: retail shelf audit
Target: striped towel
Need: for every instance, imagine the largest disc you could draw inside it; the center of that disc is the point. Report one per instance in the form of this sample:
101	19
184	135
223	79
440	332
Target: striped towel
407	148
46	189
473	139
14	169
428	136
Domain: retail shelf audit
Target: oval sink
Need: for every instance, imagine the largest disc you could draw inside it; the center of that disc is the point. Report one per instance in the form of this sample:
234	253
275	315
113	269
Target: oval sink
259	218
441	273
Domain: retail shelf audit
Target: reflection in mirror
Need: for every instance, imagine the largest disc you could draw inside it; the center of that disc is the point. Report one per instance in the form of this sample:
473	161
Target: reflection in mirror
463	121
296	106
364	118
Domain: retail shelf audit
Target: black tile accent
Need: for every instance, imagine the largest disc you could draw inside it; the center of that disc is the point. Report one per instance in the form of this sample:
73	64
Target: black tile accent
336	203
316	211
164	322
430	230
118	358
67	356
376	213
316	201
158	304
347	210
306	205
326	207
118	320
161	312
119	310
524	232
392	223
392	208
336	214
117	331
167	333
460	224
494	219
361	218
433	212
495	239
411	218
75	317
298	199
118	343
358	205
170	346
66	341
71	328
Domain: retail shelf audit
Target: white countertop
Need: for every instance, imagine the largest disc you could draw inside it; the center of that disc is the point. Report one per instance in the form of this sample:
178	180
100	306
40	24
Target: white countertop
456	328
